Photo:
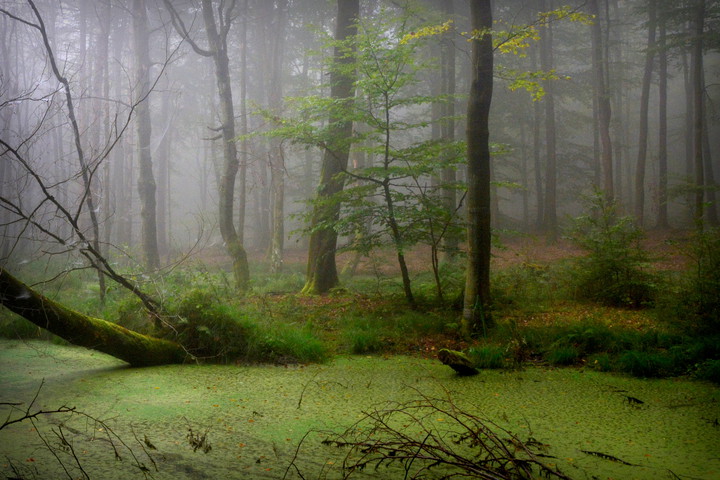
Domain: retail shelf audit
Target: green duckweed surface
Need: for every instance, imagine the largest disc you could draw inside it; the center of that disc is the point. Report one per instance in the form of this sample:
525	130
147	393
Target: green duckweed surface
254	417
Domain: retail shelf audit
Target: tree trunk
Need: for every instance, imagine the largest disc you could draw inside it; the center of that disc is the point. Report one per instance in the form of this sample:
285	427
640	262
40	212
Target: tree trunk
136	349
244	144
662	220
644	104
603	99
447	47
322	268
146	178
277	159
233	244
546	64
476	313
698	86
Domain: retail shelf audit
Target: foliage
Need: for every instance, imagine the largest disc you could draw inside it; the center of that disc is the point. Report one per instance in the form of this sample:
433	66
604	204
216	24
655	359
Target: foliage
488	356
700	296
615	269
395	197
211	329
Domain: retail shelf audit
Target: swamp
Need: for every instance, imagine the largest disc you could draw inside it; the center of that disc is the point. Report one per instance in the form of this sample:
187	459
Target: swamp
337	239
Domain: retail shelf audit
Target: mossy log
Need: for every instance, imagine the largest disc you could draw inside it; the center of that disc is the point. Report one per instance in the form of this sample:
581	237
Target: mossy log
457	361
136	349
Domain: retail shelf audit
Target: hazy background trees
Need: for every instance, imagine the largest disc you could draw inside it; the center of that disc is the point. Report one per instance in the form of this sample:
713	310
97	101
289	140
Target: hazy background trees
571	112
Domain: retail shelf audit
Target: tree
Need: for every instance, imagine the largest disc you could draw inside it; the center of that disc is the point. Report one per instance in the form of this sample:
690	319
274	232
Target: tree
476	313
146	178
321	273
698	83
662	220
217	33
546	64
644	103
277	156
602	97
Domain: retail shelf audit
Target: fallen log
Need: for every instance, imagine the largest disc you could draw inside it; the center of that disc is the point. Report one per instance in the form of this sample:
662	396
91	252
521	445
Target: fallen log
79	329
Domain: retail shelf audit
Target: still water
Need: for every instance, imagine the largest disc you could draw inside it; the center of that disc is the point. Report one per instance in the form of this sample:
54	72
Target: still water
211	422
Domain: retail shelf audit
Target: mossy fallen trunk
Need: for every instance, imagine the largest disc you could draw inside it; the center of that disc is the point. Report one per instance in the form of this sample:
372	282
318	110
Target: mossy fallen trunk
79	329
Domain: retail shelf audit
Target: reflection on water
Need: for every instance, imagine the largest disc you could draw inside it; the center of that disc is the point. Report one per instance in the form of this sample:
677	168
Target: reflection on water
254	417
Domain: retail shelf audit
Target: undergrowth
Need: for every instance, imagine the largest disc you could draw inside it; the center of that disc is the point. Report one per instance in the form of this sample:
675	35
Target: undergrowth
669	330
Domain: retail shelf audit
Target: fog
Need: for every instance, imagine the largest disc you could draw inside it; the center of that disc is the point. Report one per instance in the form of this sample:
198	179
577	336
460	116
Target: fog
56	181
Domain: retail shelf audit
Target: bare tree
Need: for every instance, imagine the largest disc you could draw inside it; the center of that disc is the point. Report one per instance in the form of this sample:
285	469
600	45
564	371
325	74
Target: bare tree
217	26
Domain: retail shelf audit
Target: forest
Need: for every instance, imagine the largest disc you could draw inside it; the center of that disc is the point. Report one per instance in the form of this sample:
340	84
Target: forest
359	239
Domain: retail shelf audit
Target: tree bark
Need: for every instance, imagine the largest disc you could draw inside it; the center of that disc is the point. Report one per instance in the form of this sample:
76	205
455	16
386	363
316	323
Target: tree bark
546	64
277	159
146	178
599	62
644	104
476	313
662	220
698	90
217	40
447	49
136	349
322	268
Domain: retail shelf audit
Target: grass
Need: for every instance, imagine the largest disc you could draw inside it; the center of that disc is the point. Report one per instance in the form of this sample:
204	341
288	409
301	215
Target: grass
540	318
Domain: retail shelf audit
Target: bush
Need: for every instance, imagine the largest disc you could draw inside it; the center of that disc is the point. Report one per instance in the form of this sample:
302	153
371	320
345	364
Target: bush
487	356
709	370
614	271
695	304
362	335
561	354
645	364
208	329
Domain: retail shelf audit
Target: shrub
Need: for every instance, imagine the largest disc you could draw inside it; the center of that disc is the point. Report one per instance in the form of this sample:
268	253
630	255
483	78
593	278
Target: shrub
645	364
561	354
696	303
488	356
601	361
208	329
614	271
709	370
362	336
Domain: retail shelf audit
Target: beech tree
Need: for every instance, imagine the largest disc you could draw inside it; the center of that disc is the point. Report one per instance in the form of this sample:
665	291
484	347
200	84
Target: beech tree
217	23
146	178
322	273
476	307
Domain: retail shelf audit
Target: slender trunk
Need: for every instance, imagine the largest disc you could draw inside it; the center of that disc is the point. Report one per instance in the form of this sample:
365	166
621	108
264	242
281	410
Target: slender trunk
322	269
546	64
662	221
447	47
689	118
233	244
644	104
537	160
476	303
698	90
244	144
87	198
603	99
146	179
277	159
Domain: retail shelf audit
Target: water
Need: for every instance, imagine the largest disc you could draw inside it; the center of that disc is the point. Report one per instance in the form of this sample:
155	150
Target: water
254	417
